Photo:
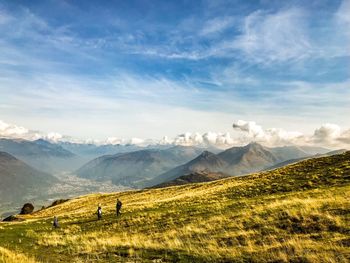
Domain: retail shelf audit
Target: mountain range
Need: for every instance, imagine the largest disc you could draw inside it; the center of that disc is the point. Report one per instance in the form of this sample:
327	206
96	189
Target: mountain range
134	167
147	168
233	161
92	151
41	154
26	166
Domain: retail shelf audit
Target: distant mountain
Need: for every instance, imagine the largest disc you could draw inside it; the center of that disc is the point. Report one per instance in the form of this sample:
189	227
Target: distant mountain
38	148
206	161
196	177
289	152
40	154
233	161
250	158
313	150
131	168
148	167
92	150
340	151
19	181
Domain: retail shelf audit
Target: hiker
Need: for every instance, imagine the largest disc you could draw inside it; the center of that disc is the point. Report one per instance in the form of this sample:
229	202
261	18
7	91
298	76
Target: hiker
118	206
99	212
55	222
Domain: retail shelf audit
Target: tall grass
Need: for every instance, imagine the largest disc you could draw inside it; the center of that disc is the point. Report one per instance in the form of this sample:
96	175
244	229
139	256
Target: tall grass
7	256
276	216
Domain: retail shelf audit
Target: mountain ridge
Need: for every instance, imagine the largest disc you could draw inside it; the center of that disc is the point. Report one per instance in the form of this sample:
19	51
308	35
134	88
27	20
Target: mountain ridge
18	180
40	154
130	168
234	161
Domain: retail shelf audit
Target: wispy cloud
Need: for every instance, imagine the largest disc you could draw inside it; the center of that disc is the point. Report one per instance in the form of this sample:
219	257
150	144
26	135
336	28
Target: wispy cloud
274	37
216	25
342	16
263	37
133	75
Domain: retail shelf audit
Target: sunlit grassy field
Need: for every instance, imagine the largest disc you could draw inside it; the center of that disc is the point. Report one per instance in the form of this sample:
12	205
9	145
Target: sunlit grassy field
298	213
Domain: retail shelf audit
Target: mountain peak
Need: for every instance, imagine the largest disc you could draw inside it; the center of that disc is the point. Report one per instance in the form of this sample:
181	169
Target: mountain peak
206	154
254	145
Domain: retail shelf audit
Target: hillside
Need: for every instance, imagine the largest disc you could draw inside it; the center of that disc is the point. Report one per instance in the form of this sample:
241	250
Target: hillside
131	168
194	177
297	213
290	161
19	181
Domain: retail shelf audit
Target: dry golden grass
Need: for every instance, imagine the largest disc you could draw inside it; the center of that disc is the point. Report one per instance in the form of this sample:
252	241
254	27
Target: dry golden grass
277	216
7	256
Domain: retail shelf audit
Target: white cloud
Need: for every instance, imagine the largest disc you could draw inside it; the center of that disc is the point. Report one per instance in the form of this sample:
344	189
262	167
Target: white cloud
344	137
254	131
264	37
342	15
136	141
54	137
272	136
187	139
274	37
328	135
216	25
114	140
221	140
11	130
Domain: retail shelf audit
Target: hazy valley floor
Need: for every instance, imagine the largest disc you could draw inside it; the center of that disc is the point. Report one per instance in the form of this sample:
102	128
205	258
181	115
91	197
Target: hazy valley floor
70	186
299	213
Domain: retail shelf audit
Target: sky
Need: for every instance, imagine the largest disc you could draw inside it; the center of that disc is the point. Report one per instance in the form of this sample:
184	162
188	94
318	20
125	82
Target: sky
181	69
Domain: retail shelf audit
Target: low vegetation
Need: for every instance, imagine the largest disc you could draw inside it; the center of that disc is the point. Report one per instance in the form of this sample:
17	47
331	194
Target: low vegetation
298	213
13	257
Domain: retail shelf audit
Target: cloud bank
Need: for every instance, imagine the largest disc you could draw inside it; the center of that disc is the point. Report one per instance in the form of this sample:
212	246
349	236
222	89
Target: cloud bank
327	135
13	131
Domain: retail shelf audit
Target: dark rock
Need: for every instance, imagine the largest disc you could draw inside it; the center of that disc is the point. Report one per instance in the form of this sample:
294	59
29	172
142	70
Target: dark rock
28	208
12	218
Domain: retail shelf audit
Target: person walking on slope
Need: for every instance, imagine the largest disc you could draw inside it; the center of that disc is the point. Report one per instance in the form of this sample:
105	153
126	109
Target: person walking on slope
55	222
118	206
99	212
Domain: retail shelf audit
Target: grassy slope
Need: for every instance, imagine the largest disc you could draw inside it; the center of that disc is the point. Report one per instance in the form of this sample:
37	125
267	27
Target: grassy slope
299	213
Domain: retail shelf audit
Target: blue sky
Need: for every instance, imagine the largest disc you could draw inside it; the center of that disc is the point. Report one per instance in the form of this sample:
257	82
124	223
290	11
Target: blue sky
95	69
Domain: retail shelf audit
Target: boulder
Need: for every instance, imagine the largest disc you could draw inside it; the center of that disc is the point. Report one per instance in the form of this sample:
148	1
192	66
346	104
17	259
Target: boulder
27	208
